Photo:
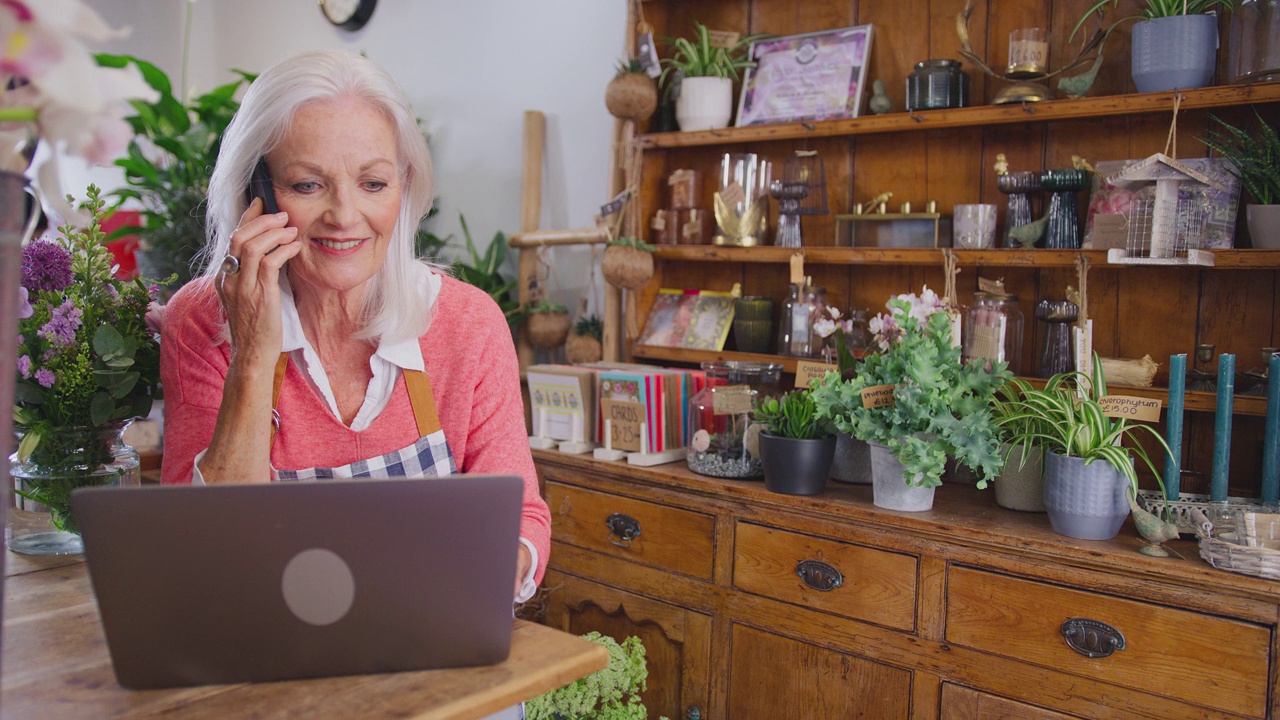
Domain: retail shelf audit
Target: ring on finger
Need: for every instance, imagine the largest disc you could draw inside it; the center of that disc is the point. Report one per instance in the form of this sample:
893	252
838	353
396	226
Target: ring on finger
230	265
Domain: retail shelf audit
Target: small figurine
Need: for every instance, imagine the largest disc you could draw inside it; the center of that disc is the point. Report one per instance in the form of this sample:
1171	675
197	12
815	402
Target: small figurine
1080	163
879	102
1152	529
875	202
1026	236
1002	164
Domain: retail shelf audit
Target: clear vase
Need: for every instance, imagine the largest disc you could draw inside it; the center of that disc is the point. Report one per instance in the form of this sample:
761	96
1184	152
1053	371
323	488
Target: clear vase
40	518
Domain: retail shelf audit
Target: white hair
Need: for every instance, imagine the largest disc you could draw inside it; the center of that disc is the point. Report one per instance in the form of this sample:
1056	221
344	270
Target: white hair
394	307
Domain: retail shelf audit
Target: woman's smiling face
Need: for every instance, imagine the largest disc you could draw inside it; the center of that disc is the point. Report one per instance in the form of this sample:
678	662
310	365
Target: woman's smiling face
337	176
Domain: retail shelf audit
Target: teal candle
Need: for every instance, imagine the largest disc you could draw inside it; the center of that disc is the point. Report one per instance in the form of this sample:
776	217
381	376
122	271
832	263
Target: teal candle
1222	427
1173	425
1271	438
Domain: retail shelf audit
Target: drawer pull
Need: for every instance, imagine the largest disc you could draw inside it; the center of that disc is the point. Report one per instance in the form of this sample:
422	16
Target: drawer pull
1091	638
623	527
819	575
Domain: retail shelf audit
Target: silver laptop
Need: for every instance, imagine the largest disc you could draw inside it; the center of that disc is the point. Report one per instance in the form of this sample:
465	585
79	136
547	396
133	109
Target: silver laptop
245	583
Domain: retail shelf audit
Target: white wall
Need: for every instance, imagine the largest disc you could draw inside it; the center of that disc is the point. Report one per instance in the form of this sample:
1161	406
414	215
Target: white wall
470	67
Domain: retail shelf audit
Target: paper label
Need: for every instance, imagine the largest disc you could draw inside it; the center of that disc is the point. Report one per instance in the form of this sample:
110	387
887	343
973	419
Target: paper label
1130	408
807	372
659	221
797	268
991	286
624	423
733	194
731	400
648	55
723	38
877	396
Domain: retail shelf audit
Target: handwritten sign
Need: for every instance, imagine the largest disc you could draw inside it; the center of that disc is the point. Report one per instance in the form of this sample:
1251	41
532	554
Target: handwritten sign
624	419
1130	408
807	372
877	396
797	268
732	400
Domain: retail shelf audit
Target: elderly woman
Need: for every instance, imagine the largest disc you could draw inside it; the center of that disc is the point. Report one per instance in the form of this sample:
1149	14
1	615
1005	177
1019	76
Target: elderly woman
315	345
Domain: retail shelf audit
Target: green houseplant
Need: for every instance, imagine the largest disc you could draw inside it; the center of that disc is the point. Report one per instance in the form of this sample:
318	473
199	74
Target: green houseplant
796	443
1020	485
484	270
705	75
1256	161
923	404
631	94
612	693
584	343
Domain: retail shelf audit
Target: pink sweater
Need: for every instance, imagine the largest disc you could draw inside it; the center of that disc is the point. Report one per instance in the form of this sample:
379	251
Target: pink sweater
470	362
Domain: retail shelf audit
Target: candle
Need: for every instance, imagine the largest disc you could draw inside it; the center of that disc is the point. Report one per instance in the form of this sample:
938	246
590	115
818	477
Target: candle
1222	427
1173	426
1271	437
1028	53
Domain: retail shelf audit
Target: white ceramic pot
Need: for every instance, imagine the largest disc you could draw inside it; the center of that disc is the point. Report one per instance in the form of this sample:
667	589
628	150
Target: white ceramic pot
889	488
1264	225
705	103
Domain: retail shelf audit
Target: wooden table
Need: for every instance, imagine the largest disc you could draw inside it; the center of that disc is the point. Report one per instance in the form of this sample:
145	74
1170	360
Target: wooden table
55	665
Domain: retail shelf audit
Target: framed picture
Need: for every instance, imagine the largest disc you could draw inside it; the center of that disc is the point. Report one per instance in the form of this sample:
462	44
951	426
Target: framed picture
815	76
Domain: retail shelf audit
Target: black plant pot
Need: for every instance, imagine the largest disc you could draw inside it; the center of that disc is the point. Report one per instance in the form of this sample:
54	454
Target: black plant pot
796	467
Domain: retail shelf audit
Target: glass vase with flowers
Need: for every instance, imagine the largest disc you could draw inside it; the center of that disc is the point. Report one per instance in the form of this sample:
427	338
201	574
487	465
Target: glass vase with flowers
88	362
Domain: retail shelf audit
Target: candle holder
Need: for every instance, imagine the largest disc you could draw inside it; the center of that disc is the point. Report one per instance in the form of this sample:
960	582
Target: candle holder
1064	216
1255	381
1201	376
1018	186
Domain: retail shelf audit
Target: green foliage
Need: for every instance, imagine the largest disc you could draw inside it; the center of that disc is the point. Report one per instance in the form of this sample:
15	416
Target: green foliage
794	416
632	242
1256	159
590	326
609	694
1066	417
941	408
484	271
698	58
1153	9
546	306
628	66
168	166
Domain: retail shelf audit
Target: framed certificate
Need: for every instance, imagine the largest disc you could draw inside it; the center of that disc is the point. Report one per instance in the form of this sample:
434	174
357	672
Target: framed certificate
815	76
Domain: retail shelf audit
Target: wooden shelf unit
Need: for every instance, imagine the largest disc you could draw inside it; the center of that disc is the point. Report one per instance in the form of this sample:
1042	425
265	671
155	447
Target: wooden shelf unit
1245	259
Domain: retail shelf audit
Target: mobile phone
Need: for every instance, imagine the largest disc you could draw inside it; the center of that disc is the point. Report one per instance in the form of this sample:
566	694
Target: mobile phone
260	186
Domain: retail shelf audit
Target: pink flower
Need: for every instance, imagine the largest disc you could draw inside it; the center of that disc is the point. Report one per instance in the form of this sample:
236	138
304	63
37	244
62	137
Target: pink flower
45	377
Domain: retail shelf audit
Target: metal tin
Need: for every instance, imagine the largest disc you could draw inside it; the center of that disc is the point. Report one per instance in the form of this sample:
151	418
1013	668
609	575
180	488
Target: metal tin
937	83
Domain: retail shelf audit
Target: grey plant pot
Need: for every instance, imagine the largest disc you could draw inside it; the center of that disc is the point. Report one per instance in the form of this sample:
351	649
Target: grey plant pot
852	462
1084	501
1021	484
889	484
796	467
1174	53
1264	225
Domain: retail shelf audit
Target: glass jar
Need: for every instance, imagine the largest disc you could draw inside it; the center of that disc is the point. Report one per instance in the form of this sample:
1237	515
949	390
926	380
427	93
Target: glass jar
993	330
723	437
1254	47
938	83
804	306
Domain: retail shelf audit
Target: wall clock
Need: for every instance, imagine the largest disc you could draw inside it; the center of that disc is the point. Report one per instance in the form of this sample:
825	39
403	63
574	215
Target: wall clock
348	14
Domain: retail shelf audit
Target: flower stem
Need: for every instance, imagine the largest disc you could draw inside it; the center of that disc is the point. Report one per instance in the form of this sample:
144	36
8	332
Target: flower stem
18	114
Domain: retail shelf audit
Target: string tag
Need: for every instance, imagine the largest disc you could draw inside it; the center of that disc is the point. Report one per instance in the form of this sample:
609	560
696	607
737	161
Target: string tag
616	203
647	54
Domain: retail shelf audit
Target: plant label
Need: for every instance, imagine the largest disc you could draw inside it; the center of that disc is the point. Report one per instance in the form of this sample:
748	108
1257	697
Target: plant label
1128	407
877	396
807	372
732	400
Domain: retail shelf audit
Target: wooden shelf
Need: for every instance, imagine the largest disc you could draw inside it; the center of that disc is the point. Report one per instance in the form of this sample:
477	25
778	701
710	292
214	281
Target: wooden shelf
982	115
1006	257
1194	401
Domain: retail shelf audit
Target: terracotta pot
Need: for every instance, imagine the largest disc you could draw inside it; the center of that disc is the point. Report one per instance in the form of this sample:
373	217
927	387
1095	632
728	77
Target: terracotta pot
579	349
627	267
631	96
548	329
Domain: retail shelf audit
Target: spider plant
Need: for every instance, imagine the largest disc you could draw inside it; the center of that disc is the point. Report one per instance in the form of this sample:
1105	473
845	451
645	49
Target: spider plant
1154	9
699	58
1256	159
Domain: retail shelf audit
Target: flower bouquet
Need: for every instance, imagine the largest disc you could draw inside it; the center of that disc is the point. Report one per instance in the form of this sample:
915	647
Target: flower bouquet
88	362
931	406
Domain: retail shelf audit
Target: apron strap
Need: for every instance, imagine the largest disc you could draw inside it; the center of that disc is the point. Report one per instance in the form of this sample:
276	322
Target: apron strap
276	383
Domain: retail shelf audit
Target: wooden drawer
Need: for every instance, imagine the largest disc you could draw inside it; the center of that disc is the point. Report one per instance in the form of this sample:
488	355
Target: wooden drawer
1209	661
664	537
873	585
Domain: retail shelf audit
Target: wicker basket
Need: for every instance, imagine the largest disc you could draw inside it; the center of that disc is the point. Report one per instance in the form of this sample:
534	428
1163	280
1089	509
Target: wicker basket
1220	550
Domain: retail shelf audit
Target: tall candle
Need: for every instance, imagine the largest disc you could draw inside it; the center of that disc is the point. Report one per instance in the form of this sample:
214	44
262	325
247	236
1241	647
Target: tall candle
1222	427
1271	437
1173	425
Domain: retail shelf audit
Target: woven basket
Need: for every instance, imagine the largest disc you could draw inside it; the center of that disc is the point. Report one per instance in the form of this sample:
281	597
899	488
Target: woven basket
627	267
1220	551
548	330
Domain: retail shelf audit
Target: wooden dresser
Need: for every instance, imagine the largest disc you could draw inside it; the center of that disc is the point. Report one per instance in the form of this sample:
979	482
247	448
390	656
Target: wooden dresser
757	605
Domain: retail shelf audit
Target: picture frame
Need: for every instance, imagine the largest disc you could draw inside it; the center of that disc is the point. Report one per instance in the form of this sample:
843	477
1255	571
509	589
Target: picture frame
812	76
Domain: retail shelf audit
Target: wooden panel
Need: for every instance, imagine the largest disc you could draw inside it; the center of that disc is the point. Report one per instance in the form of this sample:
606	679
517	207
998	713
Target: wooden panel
878	586
671	539
961	703
1219	663
894	52
806	681
1162	298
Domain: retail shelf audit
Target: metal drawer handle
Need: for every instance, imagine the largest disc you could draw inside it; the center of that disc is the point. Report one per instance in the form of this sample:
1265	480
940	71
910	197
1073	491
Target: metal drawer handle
1092	638
819	575
622	527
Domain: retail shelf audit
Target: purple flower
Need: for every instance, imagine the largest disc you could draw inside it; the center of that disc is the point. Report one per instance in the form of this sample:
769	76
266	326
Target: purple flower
24	366
24	305
61	328
112	292
45	377
46	266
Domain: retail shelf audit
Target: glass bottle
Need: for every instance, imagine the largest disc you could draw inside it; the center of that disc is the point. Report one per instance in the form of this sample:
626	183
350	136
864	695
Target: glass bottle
804	306
1057	356
993	330
785	317
723	437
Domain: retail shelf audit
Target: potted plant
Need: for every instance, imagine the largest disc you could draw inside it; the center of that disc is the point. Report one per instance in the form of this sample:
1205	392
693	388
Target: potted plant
1256	161
796	444
483	270
1088	473
548	324
627	263
583	345
1176	44
609	693
631	94
921	405
1020	485
705	74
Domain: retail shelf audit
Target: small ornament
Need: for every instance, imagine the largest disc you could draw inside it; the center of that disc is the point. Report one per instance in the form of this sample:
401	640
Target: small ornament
879	102
631	94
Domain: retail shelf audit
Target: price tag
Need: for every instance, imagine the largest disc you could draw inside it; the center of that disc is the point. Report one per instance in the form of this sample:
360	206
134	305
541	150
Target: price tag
723	38
877	396
807	372
624	419
615	204
797	268
648	56
1130	408
731	400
